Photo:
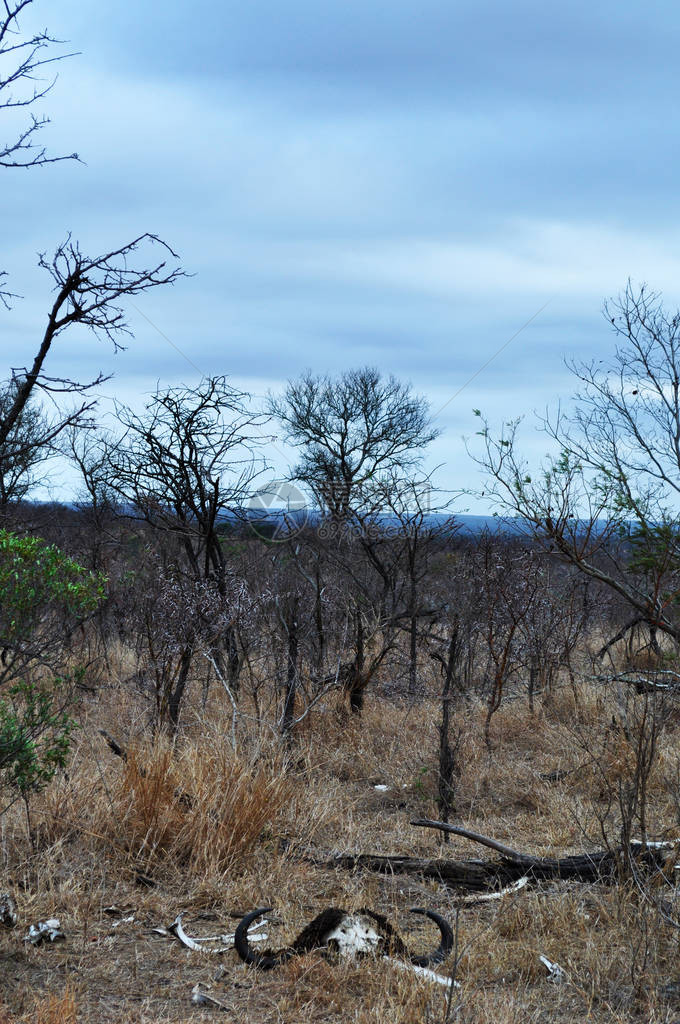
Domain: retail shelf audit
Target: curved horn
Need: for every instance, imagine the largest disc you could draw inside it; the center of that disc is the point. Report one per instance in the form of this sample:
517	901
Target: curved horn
445	946
264	961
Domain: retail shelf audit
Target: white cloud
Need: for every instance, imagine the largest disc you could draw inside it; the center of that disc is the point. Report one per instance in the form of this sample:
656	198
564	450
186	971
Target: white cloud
391	204
526	258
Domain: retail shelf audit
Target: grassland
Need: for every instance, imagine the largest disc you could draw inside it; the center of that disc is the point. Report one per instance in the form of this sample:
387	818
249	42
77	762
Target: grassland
214	831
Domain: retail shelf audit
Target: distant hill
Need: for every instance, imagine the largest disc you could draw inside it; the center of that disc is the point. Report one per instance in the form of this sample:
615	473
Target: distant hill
468	524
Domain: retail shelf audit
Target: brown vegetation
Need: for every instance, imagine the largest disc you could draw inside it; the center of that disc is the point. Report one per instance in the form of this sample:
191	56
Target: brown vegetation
212	831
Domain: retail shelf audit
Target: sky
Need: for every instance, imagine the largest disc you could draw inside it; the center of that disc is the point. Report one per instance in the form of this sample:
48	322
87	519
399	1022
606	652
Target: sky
445	190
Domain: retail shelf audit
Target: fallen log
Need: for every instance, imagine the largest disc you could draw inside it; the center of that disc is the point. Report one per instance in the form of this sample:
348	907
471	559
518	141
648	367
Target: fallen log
599	866
655	681
482	877
490	878
471	875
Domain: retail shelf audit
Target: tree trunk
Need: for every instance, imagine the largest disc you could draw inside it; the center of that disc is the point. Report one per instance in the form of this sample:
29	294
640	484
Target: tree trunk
233	660
288	716
318	625
413	643
533	676
177	694
447	760
356	683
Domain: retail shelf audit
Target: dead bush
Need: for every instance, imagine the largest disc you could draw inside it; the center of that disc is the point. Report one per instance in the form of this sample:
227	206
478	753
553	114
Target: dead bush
205	811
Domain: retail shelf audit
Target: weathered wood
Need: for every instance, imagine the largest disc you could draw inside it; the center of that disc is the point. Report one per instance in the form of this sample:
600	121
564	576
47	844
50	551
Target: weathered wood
635	621
491	876
601	865
477	837
115	747
653	681
470	875
488	876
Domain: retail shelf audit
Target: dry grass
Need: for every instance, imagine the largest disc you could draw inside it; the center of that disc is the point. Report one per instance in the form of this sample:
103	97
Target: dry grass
213	832
55	1009
204	811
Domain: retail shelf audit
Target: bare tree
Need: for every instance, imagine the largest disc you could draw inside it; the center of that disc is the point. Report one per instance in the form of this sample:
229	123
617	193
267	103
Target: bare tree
455	644
607	500
362	437
415	530
352	432
26	78
23	59
185	466
449	766
176	619
509	591
90	291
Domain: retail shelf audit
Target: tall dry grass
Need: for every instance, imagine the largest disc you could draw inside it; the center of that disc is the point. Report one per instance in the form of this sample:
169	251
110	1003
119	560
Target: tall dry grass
217	833
57	1009
203	811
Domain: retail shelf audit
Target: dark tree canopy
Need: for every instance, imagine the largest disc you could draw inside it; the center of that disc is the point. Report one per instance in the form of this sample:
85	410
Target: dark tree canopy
26	447
354	432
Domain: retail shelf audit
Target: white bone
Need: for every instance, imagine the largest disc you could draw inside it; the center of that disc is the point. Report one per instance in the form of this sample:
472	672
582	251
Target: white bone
354	935
49	930
485	897
177	930
123	920
200	998
555	972
423	972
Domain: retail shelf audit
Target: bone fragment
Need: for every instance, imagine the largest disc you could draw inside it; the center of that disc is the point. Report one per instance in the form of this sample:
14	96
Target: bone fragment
555	972
485	897
49	931
423	972
201	998
255	934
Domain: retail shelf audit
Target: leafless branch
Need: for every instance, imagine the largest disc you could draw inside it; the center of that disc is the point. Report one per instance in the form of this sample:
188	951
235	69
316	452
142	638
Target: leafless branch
90	292
23	60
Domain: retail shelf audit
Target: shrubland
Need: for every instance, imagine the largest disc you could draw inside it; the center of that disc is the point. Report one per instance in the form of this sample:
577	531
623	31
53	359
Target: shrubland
200	710
225	810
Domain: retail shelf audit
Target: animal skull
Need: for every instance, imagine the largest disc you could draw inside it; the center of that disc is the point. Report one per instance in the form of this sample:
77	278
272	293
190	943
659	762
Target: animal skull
346	933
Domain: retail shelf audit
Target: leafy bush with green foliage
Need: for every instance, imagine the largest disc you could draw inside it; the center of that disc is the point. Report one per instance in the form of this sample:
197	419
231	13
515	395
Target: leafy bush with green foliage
44	597
40	584
34	737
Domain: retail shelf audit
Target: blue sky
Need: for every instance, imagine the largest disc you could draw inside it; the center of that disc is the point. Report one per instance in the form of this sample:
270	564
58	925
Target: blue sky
360	182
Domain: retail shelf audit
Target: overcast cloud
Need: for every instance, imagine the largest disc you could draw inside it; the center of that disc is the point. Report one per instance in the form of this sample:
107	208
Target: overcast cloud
393	183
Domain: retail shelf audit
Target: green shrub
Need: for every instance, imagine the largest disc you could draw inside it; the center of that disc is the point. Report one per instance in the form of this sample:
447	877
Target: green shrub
44	597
